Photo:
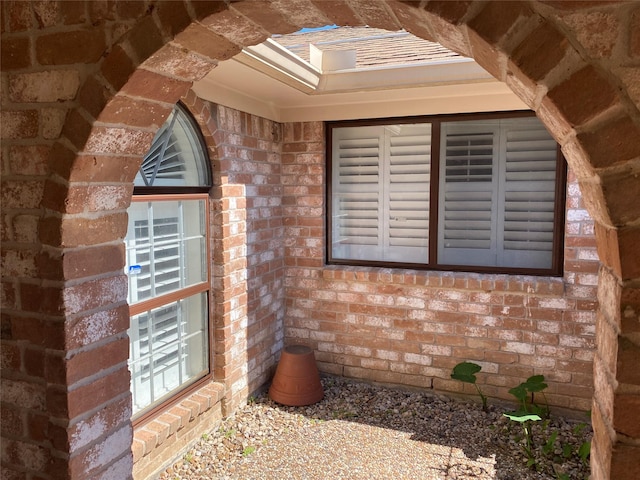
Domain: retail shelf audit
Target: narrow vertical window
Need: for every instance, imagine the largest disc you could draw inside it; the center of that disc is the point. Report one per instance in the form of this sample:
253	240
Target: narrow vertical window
167	266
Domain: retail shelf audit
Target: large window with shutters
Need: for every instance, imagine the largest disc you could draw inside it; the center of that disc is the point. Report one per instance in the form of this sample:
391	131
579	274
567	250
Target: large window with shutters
167	266
474	193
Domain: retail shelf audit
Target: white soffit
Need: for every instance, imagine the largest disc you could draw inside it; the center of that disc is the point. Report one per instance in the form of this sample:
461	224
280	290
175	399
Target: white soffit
270	81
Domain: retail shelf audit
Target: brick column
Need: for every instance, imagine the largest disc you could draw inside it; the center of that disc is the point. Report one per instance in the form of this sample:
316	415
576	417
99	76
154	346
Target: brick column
625	459
615	414
80	318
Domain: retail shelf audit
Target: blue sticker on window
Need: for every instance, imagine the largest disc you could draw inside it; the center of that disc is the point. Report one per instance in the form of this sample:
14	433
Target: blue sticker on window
135	269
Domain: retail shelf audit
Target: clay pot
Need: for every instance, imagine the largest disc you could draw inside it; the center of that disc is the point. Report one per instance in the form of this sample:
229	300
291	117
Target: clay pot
297	381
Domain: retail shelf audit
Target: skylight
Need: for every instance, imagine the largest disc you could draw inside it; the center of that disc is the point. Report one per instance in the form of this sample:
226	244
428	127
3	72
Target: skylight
316	29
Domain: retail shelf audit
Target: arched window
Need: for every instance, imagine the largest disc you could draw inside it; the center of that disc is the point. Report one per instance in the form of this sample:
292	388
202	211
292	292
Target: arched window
167	266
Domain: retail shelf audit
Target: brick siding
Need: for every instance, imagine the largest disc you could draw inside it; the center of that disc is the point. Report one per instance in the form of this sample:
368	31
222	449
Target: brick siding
410	327
248	252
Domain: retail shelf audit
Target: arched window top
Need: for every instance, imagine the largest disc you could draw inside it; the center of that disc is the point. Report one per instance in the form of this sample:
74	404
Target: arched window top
177	157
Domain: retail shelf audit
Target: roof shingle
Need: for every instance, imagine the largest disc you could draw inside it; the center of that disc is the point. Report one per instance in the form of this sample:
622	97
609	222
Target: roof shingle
374	47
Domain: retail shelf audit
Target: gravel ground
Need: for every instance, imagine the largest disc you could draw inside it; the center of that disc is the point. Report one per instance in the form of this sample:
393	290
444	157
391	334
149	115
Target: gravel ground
364	431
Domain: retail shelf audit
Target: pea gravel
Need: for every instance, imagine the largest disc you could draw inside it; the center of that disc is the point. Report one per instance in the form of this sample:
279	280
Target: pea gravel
363	431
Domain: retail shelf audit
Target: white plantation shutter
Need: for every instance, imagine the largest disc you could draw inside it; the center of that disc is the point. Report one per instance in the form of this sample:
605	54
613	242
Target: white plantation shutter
529	198
380	192
154	261
171	254
357	193
164	160
168	349
504	218
176	156
166	253
409	175
467	215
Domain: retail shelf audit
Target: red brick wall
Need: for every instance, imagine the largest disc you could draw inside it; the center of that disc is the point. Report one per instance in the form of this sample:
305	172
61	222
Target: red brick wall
248	250
395	326
411	327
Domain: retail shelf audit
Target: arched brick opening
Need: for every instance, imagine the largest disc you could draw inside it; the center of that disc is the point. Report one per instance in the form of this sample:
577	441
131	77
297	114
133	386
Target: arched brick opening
588	105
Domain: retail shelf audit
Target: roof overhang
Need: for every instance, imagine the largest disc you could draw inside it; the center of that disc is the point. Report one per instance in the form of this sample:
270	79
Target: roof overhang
270	81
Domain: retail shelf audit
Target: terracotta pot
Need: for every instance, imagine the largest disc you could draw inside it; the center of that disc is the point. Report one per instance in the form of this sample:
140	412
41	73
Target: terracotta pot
297	381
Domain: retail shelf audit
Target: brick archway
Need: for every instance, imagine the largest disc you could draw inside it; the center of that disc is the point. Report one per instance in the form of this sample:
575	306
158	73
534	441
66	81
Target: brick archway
542	50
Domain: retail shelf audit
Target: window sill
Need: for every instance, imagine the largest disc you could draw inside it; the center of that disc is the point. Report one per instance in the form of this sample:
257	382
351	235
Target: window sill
548	284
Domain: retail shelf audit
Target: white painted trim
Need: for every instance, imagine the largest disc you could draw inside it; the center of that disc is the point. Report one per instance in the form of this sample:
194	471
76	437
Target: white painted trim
264	102
270	81
277	62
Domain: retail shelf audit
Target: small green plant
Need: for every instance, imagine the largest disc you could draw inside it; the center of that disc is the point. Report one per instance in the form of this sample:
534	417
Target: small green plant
205	436
525	392
584	451
188	458
528	413
525	420
579	428
248	450
343	413
466	372
550	444
228	433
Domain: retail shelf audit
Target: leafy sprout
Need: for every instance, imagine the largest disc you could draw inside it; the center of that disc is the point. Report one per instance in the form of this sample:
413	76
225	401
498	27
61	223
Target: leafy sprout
532	385
466	372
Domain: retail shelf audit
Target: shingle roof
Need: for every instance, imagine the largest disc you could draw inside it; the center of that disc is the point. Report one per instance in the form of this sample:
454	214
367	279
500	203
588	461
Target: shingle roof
375	47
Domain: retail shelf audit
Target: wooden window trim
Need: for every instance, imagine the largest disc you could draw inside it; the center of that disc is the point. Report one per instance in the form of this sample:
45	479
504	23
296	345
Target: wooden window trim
156	302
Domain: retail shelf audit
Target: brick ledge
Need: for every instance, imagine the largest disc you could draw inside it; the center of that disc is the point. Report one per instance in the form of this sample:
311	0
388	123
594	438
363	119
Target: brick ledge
150	436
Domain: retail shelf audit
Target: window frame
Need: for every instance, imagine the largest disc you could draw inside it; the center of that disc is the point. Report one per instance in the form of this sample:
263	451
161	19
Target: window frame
155	302
557	250
148	194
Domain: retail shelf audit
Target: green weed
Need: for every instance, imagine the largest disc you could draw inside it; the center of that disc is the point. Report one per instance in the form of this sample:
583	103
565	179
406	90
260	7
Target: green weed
248	450
466	372
528	413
